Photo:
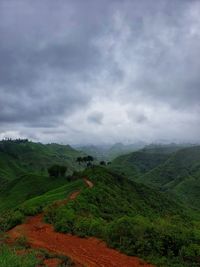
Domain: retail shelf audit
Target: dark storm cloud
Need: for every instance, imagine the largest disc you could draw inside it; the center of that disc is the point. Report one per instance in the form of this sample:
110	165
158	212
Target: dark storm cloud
129	63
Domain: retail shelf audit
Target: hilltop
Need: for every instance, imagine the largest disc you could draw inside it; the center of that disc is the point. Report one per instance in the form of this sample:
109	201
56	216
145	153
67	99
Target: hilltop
24	169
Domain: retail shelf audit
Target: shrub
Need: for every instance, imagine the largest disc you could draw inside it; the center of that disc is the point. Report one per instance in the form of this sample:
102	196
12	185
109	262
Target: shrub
8	257
10	219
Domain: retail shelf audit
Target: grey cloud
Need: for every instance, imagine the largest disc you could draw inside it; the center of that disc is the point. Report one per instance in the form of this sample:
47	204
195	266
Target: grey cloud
96	117
57	57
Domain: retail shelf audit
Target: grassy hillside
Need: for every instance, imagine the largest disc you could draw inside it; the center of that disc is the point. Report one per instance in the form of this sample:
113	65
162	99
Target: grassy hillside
180	174
36	204
171	169
128	215
132	218
135	164
23	169
26	187
24	156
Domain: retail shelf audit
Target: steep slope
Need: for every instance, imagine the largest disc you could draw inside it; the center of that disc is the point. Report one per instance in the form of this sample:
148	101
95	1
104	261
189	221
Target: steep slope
25	187
19	157
180	174
135	164
130	217
89	252
23	169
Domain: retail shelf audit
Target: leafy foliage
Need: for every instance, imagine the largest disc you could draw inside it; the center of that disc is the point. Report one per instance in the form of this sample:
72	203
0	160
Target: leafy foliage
57	170
9	257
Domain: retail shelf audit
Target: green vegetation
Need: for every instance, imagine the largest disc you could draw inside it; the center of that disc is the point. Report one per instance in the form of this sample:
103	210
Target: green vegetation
25	187
137	163
57	170
36	204
9	257
179	175
132	218
17	158
150	222
24	169
11	217
169	169
21	255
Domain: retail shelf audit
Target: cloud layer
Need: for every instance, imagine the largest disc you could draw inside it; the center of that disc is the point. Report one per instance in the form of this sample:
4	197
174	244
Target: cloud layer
100	71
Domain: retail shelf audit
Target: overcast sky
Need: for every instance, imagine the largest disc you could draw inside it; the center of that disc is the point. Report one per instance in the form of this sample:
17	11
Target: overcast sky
96	71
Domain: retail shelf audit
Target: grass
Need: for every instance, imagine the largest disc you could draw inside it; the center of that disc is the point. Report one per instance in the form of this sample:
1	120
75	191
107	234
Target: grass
175	171
9	258
27	186
36	204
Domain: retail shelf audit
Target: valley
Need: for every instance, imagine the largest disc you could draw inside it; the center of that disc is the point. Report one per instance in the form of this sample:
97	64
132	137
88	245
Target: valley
110	215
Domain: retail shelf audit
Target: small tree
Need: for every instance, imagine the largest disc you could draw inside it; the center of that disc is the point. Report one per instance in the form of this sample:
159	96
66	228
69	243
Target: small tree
53	171
57	170
79	160
63	170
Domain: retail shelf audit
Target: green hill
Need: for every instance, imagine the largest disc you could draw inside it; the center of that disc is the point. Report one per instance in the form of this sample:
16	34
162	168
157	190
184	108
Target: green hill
171	169
180	174
23	169
135	164
109	152
25	156
26	187
130	217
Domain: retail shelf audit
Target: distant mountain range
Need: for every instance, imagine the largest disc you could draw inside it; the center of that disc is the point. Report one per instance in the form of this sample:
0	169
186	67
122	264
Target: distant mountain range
109	152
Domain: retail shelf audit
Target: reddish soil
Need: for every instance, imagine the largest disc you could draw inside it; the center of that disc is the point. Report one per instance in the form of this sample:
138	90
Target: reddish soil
74	195
52	262
88	182
89	252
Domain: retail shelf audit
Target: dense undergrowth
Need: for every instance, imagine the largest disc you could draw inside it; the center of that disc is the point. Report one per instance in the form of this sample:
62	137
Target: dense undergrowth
19	254
9	257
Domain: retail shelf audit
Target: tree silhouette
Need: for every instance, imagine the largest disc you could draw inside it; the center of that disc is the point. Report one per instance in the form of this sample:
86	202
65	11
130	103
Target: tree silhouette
57	170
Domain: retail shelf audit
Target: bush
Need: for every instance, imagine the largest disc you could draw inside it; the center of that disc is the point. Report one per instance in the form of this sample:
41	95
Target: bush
191	253
8	257
57	170
10	219
22	241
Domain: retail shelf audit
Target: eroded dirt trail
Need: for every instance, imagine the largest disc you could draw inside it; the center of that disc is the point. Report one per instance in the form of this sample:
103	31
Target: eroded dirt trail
89	252
88	182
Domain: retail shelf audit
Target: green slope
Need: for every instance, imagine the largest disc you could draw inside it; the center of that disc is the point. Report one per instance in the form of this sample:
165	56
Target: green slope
23	169
137	163
130	217
180	174
22	157
36	204
26	187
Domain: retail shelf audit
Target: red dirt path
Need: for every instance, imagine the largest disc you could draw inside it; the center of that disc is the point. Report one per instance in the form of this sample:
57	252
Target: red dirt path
89	252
